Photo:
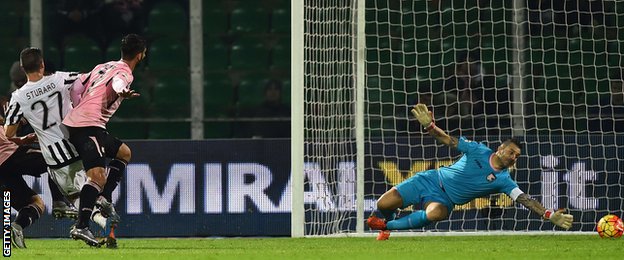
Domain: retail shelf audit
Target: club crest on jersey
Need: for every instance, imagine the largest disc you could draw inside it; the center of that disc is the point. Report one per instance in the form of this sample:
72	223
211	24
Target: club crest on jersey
491	177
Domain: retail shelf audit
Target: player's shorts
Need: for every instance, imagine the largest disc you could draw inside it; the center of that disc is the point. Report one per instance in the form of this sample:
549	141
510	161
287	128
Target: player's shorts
422	188
21	193
24	161
69	178
94	145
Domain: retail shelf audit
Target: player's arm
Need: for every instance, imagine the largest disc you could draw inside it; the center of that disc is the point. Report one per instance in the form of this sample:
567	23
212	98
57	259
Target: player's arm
74	83
24	140
13	118
425	118
12	122
122	88
559	217
77	88
10	130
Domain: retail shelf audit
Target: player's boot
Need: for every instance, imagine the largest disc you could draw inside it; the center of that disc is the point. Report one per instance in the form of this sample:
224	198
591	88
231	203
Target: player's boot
383	235
107	227
60	209
111	240
376	223
17	235
107	209
85	235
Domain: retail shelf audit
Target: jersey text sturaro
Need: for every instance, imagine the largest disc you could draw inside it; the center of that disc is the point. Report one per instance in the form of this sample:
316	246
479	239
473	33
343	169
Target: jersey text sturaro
40	91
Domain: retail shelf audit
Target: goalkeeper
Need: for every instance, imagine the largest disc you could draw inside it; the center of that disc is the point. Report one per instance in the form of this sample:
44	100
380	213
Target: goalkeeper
479	172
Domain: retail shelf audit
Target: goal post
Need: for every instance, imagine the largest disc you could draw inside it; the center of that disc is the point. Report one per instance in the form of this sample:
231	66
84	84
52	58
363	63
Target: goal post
489	70
297	126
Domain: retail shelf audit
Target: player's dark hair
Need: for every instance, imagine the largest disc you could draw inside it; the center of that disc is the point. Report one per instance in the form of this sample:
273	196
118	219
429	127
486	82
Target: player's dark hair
513	141
131	45
30	59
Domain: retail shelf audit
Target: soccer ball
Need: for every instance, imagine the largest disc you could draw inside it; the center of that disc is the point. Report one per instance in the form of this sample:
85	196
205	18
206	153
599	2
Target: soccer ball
610	226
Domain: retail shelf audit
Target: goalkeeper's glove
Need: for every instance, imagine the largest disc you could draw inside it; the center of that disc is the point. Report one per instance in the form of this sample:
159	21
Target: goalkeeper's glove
424	116
559	218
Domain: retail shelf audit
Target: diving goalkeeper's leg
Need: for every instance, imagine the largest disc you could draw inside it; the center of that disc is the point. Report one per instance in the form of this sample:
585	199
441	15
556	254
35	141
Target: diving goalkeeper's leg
435	211
422	187
386	206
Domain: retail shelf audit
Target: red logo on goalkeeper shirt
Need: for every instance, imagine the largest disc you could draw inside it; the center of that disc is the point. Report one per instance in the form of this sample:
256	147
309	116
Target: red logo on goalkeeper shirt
491	177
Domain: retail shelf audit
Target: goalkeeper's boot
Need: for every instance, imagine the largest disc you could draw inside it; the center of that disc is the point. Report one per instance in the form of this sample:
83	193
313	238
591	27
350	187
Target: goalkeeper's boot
376	223
17	235
107	209
85	235
60	210
383	235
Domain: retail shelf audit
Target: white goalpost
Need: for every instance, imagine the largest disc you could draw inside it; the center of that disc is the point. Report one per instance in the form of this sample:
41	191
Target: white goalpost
545	73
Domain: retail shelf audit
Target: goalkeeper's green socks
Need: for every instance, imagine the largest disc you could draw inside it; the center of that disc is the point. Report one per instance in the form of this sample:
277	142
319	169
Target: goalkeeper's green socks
417	219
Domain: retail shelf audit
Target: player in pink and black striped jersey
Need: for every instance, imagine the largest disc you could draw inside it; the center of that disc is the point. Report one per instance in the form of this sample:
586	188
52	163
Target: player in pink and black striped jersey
101	93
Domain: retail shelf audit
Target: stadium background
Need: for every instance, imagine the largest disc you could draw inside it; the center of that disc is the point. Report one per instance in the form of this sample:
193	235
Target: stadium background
246	44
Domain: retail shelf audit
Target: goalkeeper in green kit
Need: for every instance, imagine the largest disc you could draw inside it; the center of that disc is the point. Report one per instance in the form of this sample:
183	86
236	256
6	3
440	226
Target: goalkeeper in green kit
479	172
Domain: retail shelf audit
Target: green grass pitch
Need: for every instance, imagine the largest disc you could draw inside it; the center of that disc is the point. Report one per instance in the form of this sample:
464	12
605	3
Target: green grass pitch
417	247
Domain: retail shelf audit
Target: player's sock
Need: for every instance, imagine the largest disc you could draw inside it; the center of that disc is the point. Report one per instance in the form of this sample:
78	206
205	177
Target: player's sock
417	219
88	194
27	215
54	189
115	172
388	214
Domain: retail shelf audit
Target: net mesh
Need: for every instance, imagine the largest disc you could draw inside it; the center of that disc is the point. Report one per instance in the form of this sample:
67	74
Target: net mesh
329	116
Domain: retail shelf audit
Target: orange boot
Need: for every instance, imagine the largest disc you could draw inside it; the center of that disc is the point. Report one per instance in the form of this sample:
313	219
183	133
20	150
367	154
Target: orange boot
383	235
376	223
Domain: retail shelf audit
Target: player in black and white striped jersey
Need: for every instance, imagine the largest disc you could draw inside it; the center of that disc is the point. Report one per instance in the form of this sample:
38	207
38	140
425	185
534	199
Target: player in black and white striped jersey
44	101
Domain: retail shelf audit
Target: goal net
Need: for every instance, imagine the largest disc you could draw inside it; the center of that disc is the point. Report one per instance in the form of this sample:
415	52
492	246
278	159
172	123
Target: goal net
546	73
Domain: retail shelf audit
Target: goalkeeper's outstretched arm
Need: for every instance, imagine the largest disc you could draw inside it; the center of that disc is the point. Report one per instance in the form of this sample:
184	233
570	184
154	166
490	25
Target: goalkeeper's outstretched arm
425	118
559	217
